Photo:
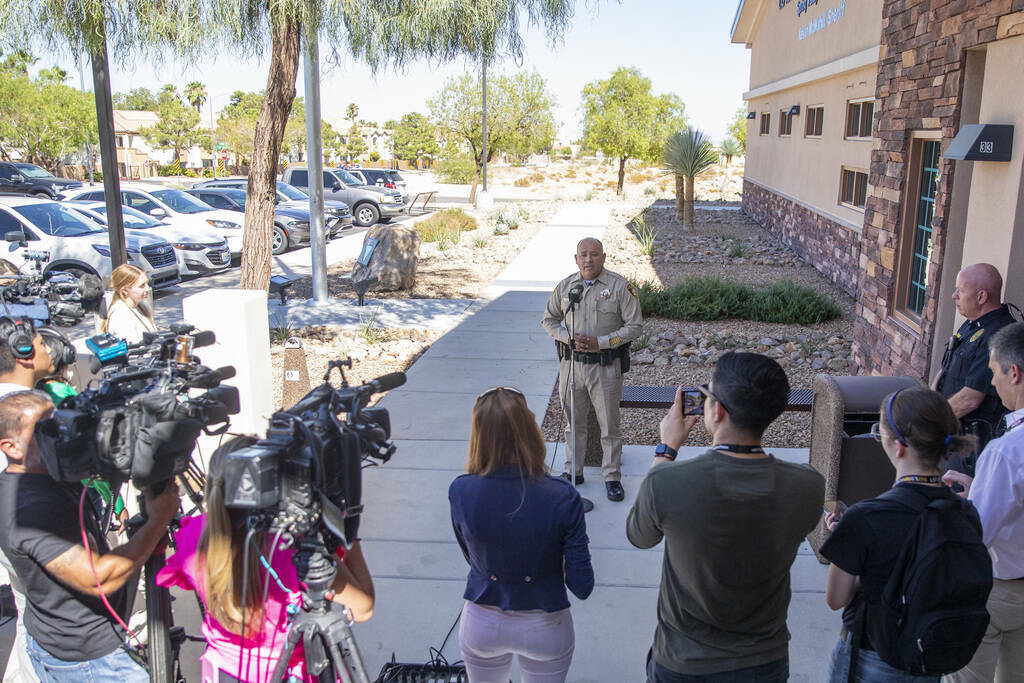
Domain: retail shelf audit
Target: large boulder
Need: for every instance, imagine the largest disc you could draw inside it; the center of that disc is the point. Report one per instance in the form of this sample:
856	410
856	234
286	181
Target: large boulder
395	253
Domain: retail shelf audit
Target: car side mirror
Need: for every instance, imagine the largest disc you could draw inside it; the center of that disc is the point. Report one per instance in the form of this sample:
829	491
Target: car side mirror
158	212
17	178
15	236
336	186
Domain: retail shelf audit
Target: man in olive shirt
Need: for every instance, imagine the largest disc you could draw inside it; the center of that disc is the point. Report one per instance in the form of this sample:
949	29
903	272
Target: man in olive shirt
732	519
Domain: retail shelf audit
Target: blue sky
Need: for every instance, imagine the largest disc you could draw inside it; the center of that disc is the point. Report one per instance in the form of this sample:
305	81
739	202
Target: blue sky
681	45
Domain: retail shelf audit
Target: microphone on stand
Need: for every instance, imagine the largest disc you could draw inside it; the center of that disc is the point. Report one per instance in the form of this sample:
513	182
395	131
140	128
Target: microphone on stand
575	295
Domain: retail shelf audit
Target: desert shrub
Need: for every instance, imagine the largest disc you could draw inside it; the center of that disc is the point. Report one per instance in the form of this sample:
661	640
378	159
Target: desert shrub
168	169
524	213
523	182
446	226
508	217
716	298
570	173
537	177
500	229
650	190
459	170
636	177
588	196
208	172
736	249
189	173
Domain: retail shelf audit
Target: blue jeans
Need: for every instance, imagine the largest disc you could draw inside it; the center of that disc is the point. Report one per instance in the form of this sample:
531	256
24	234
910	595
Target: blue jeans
117	666
870	668
772	672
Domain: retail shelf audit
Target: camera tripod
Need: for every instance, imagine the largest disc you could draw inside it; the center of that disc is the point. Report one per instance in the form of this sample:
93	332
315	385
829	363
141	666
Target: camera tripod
326	633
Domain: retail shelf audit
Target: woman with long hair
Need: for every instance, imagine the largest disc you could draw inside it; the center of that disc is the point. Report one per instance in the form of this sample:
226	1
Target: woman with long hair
210	560
523	534
919	432
128	316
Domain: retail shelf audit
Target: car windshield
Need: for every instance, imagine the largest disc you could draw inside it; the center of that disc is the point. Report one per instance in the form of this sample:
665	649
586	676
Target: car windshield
32	171
290	192
132	218
57	220
181	202
236	195
346	177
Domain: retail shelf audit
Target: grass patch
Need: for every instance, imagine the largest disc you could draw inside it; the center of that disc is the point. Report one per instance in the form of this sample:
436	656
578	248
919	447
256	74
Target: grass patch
736	249
645	234
446	226
368	330
715	298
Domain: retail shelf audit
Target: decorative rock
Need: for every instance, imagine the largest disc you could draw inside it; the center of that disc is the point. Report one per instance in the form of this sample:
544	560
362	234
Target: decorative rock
394	259
645	357
660	362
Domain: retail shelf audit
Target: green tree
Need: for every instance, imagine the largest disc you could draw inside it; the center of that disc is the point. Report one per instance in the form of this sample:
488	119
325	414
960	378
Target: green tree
54	74
354	142
44	120
730	149
738	128
520	115
136	99
195	95
391	124
688	153
176	128
352	111
333	142
625	120
415	137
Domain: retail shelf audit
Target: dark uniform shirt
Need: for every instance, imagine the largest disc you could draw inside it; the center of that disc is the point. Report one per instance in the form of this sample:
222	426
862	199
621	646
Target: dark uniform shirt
966	364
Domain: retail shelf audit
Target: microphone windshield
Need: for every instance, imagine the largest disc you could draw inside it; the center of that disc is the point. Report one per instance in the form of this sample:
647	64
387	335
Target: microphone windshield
204	338
576	293
388	382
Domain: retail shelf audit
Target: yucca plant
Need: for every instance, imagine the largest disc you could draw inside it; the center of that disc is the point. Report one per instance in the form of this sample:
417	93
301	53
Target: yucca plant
688	153
730	148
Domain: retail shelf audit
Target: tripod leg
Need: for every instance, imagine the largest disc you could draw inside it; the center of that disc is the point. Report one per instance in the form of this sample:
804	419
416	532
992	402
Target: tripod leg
158	625
281	668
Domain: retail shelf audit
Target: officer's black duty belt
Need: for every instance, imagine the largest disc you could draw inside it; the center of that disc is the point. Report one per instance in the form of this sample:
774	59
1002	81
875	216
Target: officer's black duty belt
603	357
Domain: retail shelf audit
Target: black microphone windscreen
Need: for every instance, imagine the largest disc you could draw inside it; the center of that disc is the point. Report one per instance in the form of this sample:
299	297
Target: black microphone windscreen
204	338
182	328
226	372
95	365
576	293
90	286
388	382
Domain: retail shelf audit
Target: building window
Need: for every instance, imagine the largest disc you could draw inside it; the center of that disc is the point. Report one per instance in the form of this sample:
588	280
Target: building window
853	188
815	121
119	141
858	119
766	123
916	247
785	122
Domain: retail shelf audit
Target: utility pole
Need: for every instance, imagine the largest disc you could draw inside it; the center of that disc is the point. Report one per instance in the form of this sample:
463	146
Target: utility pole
213	141
315	164
88	144
483	78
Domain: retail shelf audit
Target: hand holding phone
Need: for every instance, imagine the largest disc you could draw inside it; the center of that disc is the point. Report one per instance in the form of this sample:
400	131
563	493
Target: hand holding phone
693	402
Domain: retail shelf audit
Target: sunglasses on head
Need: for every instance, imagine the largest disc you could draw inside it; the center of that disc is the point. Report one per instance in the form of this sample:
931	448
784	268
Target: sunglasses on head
494	389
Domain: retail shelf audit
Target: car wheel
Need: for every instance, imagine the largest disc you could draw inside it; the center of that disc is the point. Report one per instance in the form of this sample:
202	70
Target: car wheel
279	241
41	195
365	215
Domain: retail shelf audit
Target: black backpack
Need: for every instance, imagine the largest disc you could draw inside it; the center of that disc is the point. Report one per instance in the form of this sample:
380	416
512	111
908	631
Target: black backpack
932	615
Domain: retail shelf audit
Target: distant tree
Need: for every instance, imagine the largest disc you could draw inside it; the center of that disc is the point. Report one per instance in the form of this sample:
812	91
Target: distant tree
352	111
176	128
625	120
333	142
415	137
730	149
54	74
195	95
390	124
520	115
43	119
738	128
136	99
688	153
354	142
18	62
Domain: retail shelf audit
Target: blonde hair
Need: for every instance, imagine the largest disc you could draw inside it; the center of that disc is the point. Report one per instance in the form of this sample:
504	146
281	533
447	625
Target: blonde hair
222	551
505	434
124	276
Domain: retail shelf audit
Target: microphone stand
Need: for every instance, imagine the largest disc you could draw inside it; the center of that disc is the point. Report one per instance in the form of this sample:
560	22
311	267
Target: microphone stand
588	505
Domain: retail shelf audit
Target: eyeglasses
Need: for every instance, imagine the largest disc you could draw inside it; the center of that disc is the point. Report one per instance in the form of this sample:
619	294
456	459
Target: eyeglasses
706	390
876	431
494	389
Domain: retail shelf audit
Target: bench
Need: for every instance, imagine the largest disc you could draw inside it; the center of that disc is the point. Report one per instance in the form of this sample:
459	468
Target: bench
662	397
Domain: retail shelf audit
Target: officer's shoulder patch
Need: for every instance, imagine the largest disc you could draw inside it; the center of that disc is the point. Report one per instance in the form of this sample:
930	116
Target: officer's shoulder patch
977	335
632	291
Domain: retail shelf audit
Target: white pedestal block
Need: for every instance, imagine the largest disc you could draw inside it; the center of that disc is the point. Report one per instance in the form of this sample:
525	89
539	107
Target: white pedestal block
239	319
484	201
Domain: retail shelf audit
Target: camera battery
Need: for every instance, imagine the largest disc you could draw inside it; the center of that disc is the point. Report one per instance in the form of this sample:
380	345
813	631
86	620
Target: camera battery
106	347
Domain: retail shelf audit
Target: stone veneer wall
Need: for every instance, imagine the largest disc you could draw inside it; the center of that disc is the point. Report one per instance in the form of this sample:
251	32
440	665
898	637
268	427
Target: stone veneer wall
920	74
828	246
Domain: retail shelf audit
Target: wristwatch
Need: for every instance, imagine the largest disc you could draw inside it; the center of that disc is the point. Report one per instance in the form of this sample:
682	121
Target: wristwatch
665	451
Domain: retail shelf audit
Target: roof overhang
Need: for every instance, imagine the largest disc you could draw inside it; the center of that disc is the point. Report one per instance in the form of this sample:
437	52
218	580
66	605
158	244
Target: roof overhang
744	23
981	142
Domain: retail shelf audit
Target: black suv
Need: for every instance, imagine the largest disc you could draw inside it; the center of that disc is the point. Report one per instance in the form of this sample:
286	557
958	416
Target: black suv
30	179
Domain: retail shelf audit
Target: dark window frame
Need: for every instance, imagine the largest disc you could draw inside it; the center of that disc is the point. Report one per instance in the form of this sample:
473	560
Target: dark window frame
815	121
916	232
766	123
853	188
860	115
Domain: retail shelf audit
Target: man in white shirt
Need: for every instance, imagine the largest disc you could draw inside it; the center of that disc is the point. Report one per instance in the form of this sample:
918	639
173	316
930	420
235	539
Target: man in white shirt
997	491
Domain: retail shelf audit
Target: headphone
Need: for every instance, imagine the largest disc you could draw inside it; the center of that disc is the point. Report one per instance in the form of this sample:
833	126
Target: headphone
62	351
20	339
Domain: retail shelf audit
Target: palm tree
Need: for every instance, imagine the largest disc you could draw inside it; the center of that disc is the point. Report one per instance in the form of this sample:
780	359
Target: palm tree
730	148
352	111
688	153
195	94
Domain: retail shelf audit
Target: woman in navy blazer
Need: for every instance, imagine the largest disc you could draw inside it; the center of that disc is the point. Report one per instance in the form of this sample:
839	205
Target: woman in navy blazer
525	539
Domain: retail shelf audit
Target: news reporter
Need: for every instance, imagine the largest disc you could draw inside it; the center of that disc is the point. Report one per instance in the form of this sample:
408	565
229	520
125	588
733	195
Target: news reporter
129	316
525	539
210	561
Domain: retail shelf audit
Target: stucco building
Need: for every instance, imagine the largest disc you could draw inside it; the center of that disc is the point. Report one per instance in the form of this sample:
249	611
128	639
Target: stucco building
855	106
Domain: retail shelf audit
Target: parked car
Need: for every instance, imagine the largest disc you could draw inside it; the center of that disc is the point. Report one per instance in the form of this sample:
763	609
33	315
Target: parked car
174	207
369	203
382	177
198	250
337	215
291	224
31	179
78	245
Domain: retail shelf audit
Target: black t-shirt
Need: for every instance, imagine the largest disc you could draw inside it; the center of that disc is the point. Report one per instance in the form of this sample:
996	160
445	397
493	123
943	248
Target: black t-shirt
967	364
38	523
868	540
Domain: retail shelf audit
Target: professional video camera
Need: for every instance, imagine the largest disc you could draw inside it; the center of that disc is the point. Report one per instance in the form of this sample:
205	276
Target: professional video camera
140	422
303	483
60	297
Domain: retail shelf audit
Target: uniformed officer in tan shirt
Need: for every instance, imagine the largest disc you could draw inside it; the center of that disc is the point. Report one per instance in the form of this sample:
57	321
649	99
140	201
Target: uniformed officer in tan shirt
607	318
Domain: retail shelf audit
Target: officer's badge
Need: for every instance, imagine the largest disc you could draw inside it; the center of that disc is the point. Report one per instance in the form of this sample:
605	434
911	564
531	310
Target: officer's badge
977	335
632	291
606	293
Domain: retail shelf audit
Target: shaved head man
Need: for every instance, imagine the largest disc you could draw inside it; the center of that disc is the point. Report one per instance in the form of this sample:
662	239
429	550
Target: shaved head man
965	379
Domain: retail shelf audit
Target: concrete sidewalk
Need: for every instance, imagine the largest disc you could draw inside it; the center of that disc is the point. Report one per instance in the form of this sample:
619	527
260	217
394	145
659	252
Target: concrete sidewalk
417	565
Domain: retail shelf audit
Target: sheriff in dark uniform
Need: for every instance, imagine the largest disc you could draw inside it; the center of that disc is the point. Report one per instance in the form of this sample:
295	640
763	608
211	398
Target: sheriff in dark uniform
965	379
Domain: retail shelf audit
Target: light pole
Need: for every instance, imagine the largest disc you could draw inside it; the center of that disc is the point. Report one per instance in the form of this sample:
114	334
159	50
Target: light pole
213	132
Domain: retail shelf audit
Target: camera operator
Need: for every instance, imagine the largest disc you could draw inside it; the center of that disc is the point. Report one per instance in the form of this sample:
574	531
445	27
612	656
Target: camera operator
71	634
210	561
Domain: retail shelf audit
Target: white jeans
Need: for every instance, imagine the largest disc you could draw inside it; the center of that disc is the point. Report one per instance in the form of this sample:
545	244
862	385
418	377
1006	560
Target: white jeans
489	637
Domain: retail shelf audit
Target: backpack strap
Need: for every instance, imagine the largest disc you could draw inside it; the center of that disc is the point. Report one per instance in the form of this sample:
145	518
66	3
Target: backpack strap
907	496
